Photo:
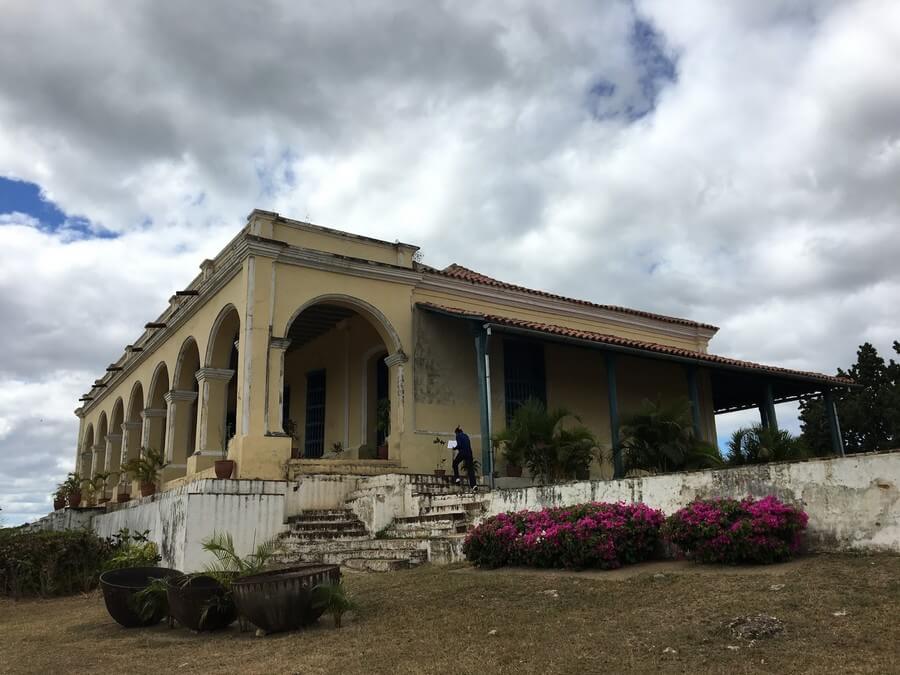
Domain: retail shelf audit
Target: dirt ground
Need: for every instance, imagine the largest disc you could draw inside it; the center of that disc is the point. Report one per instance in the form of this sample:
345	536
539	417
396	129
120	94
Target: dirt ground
840	613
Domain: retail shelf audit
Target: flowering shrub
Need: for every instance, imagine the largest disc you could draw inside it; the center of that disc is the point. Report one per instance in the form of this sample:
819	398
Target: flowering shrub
588	535
730	531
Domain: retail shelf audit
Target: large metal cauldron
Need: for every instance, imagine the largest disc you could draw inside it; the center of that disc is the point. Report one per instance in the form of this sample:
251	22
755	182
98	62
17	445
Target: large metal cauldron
119	588
282	599
190	597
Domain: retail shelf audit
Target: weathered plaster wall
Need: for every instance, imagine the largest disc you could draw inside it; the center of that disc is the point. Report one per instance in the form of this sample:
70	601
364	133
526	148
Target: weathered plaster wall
852	502
252	511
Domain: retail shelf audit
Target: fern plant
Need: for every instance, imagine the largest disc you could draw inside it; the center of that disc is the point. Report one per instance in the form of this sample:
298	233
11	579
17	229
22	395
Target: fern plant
146	467
333	598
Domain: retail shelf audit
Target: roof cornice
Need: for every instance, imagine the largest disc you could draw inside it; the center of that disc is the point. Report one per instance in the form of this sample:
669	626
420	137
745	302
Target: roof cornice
518	299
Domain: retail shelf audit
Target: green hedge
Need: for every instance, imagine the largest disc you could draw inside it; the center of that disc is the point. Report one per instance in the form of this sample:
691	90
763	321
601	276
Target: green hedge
58	563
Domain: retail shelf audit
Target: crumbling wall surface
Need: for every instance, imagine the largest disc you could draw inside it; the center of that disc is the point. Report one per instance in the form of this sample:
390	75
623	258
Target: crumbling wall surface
179	520
853	502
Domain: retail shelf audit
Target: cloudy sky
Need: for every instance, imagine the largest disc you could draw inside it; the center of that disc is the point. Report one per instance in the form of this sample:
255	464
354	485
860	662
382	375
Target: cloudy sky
733	162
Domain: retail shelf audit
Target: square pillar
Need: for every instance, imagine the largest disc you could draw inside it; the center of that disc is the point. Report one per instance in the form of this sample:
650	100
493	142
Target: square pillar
834	425
99	457
113	460
275	386
397	396
179	416
611	384
694	396
153	430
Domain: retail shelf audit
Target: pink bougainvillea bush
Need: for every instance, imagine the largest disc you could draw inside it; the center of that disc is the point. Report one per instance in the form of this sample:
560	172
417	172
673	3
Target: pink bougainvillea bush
587	535
731	531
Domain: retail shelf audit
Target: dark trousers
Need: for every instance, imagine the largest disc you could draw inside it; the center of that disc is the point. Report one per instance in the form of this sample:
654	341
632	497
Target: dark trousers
470	466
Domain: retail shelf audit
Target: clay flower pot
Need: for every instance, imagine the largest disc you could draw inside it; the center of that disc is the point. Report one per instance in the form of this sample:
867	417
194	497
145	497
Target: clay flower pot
59	503
148	489
224	468
75	499
513	470
122	497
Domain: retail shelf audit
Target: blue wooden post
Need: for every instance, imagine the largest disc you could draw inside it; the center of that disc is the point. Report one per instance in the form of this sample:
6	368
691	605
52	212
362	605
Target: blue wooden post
695	401
487	469
767	410
834	425
618	468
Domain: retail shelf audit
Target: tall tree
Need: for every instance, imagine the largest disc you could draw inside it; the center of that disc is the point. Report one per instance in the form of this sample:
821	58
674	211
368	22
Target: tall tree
869	415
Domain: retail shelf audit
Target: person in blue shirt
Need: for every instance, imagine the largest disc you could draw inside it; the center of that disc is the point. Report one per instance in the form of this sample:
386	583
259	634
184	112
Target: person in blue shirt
464	454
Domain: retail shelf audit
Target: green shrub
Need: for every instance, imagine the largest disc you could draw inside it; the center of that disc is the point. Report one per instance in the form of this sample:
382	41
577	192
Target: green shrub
50	563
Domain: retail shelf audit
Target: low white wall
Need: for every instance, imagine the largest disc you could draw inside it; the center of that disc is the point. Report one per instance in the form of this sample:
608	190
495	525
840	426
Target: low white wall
179	520
64	519
853	502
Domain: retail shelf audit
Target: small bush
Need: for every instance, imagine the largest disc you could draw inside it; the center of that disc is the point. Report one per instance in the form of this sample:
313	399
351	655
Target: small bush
588	535
731	531
50	563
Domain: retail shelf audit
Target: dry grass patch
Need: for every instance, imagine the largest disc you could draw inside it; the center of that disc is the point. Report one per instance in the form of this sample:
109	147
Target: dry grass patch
839	614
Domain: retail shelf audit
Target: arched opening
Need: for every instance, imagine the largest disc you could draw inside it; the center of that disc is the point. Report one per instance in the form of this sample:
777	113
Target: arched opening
336	400
131	428
219	383
185	397
87	449
100	445
154	415
114	458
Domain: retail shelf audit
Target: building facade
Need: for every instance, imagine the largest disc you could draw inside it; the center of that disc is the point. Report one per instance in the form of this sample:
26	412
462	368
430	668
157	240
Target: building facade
300	349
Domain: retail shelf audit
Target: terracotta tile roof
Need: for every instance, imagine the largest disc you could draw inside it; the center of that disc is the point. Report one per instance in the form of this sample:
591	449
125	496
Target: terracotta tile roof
602	338
455	271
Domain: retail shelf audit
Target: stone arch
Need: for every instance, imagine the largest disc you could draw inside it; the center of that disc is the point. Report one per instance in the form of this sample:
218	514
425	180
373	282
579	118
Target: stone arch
114	436
186	366
154	415
100	445
133	424
87	448
181	438
224	333
375	316
135	403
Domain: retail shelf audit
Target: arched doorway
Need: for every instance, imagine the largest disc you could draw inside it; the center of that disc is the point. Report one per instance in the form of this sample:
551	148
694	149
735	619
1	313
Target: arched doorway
99	446
114	442
87	449
182	405
336	399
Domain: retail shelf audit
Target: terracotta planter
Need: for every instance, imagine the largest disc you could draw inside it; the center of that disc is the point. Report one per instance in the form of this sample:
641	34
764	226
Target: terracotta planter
74	499
122	497
59	503
148	489
513	470
382	451
224	468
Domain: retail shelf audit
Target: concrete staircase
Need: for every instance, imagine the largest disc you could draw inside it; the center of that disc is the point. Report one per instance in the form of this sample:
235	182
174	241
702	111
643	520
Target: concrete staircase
430	527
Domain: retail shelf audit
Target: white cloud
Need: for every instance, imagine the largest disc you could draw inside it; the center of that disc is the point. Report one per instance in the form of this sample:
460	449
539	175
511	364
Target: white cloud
759	194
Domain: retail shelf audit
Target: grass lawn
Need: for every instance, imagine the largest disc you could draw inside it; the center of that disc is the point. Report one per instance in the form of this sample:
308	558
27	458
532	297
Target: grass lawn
841	613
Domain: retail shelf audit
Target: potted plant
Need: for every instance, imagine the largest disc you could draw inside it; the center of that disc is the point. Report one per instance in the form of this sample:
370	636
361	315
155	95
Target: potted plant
122	490
224	466
98	487
59	499
383	425
72	488
145	469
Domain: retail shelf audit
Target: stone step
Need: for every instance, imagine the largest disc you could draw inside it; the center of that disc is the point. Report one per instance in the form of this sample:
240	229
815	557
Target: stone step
427	532
326	525
322	515
376	564
433	517
359	533
303	547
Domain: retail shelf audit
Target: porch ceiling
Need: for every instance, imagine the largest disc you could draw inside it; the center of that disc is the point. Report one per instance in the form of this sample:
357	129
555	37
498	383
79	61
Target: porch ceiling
736	384
315	321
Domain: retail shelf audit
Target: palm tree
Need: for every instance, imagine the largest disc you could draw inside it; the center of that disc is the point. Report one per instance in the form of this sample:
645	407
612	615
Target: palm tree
660	438
758	444
538	438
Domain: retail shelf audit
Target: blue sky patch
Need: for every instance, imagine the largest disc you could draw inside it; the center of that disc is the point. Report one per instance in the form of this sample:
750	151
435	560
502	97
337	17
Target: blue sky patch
24	197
